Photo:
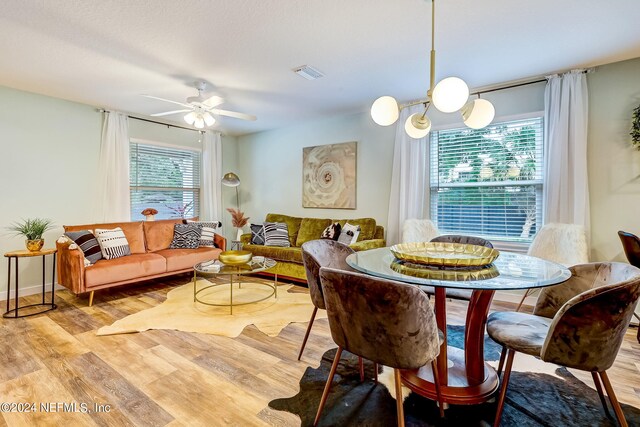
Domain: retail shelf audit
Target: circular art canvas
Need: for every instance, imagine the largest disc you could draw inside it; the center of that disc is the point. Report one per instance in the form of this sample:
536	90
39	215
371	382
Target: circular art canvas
329	176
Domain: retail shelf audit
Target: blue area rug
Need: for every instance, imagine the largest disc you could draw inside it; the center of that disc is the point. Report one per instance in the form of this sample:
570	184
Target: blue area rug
533	399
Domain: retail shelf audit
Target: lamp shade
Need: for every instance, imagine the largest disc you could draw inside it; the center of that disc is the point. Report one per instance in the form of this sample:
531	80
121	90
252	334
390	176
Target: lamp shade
450	94
199	121
478	113
230	179
190	118
384	110
208	119
417	125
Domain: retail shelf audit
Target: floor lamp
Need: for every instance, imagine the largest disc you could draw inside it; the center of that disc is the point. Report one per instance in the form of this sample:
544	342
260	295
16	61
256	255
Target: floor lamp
230	179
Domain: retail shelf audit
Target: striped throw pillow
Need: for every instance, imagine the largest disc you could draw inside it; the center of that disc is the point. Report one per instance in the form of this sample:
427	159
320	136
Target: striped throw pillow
207	238
113	243
276	234
87	243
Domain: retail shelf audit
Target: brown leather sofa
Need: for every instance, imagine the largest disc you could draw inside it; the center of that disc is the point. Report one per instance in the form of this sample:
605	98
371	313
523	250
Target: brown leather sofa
150	257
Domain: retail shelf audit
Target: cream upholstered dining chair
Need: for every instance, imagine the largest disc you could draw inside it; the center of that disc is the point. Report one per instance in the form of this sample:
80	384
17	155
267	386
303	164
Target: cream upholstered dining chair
387	322
316	254
565	244
419	230
579	324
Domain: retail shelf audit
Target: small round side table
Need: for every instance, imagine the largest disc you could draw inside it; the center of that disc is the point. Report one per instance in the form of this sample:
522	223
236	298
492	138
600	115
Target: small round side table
14	313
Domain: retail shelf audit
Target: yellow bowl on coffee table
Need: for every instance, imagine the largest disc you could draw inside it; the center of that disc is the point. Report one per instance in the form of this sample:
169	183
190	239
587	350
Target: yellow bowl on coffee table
235	257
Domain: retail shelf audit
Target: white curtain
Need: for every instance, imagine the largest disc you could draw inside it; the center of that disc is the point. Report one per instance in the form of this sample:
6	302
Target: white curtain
409	178
566	189
114	201
210	187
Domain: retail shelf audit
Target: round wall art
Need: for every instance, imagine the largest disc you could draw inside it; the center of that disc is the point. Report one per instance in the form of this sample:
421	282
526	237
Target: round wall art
329	176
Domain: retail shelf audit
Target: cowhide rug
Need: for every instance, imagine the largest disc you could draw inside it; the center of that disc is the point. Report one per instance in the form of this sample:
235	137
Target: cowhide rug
539	394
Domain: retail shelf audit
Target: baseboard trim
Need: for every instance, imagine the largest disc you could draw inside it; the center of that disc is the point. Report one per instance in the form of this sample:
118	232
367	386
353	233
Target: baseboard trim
28	290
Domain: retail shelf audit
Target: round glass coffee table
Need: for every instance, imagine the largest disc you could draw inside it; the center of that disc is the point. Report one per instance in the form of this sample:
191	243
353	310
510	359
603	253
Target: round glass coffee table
232	273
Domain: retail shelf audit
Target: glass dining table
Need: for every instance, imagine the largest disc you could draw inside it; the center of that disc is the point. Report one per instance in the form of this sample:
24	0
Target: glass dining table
465	377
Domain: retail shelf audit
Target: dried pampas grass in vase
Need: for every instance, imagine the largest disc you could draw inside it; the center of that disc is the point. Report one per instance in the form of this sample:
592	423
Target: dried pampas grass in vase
238	220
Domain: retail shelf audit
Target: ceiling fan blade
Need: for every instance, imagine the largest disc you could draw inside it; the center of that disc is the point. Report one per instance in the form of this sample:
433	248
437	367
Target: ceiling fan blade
213	101
233	114
167	113
168	100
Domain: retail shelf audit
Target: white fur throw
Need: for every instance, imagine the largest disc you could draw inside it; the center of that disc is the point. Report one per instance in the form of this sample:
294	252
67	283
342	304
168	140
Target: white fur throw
565	244
419	230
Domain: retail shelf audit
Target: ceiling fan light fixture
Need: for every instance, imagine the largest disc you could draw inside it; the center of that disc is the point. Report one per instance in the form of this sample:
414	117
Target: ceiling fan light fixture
190	118
450	94
208	119
385	111
478	113
417	125
199	123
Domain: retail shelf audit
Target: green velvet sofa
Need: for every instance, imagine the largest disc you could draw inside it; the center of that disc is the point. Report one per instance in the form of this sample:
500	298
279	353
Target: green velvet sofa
289	260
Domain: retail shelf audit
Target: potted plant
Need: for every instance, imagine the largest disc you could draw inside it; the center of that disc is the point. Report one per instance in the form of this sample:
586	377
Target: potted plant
32	229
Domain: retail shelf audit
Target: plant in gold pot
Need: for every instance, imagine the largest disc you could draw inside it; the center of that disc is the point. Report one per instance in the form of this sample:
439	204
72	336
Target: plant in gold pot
32	229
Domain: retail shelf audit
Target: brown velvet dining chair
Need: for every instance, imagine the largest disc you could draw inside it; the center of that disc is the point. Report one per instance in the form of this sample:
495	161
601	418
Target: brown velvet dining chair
316	254
579	324
387	322
631	246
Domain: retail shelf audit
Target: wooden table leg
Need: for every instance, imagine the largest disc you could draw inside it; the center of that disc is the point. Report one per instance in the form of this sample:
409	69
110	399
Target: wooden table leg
474	334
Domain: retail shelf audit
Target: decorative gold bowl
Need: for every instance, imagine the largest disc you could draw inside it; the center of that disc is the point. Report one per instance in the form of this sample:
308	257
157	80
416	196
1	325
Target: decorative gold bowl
424	272
235	257
445	254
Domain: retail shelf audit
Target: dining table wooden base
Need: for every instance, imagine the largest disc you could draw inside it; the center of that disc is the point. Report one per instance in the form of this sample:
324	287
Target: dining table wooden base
459	389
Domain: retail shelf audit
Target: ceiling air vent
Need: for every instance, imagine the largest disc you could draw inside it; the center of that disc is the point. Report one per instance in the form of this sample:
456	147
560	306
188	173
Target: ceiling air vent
308	72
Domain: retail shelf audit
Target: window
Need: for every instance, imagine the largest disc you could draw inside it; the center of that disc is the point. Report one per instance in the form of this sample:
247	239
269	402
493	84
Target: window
488	182
164	178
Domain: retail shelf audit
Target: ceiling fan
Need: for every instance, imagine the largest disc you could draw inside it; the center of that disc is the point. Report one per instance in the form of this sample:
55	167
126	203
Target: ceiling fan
201	110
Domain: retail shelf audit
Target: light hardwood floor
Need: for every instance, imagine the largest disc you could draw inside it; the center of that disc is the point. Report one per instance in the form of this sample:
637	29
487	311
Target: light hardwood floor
174	378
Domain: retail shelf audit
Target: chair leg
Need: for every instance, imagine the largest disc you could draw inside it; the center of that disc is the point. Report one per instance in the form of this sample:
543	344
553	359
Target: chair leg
436	381
91	298
398	381
614	401
306	335
327	386
596	380
361	368
503	353
526	294
503	389
375	372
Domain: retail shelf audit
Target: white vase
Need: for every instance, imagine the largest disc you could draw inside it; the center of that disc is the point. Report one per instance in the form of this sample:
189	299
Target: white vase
239	234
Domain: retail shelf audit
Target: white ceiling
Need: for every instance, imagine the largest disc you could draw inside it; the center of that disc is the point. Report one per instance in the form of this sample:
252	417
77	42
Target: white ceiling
106	53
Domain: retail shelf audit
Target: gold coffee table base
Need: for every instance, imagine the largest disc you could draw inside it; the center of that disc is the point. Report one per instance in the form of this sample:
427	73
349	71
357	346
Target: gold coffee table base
273	286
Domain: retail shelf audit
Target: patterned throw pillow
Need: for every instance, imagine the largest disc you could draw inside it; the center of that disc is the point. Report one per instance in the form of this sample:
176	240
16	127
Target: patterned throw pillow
331	232
113	243
257	234
276	234
349	234
186	236
87	243
207	238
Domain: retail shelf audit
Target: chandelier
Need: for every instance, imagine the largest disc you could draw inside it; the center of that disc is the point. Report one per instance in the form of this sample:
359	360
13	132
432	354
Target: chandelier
449	95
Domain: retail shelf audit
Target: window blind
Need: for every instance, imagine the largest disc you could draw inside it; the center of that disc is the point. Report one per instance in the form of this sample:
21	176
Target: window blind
166	179
488	182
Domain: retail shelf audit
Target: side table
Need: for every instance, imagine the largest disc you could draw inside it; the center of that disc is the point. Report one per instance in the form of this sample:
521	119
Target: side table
236	245
14	313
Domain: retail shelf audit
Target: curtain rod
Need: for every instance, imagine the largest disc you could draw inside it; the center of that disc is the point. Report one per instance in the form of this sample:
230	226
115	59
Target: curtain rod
153	121
500	87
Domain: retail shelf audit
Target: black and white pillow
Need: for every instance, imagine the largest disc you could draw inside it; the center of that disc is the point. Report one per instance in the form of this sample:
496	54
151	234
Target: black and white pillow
87	243
349	234
276	234
331	232
257	234
113	243
207	237
186	236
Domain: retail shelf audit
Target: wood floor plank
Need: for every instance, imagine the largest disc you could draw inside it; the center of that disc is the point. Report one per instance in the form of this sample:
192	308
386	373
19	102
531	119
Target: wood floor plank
179	379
